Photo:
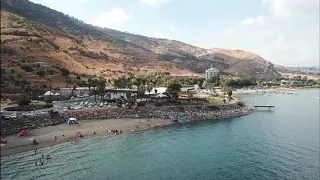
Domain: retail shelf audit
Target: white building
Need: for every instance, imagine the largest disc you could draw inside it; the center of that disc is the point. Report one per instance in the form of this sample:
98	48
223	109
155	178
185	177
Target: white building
212	72
77	91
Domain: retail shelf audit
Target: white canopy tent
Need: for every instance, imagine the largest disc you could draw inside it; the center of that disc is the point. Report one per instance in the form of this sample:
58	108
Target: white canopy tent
48	93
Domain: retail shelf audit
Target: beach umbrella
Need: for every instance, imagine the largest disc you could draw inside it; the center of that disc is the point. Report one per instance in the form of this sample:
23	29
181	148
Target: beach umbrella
78	132
23	132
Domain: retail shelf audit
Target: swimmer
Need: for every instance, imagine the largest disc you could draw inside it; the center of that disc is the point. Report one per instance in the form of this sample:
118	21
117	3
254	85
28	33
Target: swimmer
49	156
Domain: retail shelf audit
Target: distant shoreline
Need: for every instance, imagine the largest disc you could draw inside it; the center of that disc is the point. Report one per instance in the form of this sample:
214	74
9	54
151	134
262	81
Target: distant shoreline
254	91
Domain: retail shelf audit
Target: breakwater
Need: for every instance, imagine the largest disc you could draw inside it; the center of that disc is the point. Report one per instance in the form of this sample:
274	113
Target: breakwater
192	113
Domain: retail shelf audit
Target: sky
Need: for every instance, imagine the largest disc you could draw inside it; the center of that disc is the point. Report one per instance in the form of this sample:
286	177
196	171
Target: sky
285	32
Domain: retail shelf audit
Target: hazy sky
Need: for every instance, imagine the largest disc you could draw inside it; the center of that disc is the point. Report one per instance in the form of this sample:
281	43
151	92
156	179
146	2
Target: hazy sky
285	32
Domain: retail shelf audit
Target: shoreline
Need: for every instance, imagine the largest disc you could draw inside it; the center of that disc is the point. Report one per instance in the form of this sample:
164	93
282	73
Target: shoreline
257	91
45	135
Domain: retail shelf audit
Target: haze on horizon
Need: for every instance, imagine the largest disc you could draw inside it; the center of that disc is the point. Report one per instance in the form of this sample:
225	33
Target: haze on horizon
285	32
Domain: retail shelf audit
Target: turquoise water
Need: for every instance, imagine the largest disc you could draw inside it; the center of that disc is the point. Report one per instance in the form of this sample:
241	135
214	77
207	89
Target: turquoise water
283	144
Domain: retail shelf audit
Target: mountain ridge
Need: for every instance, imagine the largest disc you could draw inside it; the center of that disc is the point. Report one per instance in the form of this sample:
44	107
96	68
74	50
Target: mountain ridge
84	48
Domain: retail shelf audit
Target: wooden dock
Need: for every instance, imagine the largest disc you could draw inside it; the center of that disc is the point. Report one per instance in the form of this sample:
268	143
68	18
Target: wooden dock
264	106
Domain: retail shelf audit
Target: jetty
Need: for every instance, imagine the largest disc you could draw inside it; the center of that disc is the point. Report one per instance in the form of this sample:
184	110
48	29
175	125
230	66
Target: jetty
270	107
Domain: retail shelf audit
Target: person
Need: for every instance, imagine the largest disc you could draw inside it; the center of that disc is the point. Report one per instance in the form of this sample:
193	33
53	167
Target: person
94	133
34	141
49	156
35	151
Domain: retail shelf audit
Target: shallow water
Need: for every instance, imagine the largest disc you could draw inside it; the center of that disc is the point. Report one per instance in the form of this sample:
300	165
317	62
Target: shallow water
282	144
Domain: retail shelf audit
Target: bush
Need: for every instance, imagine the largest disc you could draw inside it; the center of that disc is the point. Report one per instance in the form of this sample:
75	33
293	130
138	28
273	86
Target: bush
26	67
139	104
65	72
7	50
241	104
23	100
41	73
48	101
29	107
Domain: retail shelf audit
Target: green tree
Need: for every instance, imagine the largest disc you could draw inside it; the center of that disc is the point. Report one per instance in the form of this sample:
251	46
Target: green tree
200	82
229	93
65	72
101	87
213	81
173	88
23	100
149	88
41	73
74	87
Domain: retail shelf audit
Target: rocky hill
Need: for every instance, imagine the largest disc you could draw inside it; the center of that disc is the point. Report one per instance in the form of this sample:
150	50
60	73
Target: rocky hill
32	33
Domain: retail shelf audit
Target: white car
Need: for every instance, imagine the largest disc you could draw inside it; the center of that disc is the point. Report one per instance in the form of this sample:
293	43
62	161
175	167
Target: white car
13	116
31	113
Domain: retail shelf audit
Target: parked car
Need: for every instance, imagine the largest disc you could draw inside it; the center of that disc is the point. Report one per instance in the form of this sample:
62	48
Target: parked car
13	116
31	113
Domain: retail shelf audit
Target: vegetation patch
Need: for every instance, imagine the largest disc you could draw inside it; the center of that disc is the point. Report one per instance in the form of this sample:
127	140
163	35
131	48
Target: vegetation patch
30	107
241	104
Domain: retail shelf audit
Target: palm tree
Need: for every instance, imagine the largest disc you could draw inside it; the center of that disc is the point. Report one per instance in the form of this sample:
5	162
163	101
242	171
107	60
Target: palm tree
73	88
95	84
101	87
149	88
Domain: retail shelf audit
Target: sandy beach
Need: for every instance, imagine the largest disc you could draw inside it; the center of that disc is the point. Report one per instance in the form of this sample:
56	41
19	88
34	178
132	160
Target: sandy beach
45	136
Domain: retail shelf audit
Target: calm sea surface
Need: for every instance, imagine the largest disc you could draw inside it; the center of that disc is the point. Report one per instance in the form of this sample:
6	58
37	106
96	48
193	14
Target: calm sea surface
283	144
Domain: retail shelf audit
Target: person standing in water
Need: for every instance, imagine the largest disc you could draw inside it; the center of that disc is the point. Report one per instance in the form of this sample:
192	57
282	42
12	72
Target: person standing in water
35	151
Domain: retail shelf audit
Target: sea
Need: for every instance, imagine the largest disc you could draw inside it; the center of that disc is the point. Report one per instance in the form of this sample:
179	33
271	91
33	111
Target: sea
278	144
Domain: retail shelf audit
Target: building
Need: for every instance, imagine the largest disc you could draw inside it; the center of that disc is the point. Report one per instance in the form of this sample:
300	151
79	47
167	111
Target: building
76	91
212	72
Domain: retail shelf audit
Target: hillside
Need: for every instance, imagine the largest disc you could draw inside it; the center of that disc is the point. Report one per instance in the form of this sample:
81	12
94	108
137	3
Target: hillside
32	33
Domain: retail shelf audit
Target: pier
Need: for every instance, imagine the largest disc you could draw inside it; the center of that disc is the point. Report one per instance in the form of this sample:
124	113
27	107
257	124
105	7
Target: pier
264	106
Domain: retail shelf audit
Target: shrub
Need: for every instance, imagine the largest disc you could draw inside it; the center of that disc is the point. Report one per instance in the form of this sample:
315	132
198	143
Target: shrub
65	72
27	67
139	104
7	50
41	73
241	104
23	100
29	107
